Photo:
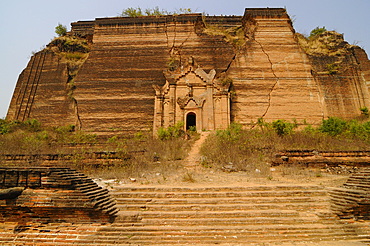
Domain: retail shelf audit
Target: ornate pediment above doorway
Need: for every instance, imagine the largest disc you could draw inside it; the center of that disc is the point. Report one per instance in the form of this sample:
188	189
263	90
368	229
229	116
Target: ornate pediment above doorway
190	90
190	71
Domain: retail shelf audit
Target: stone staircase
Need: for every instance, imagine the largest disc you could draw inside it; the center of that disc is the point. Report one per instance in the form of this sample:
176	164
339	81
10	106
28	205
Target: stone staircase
228	215
102	200
193	215
352	200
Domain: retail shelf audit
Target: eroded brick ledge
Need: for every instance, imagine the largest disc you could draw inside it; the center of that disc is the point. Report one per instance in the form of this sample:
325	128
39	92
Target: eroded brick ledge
54	195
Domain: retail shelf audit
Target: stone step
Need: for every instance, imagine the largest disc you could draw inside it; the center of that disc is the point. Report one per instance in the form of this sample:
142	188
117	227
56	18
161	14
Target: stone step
217	189
358	186
221	207
219	240
105	201
73	176
212	221
220	200
203	216
202	229
184	236
346	190
164	194
111	210
216	214
86	185
97	192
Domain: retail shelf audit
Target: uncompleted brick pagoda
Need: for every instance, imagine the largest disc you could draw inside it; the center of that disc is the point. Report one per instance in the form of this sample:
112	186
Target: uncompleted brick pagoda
144	73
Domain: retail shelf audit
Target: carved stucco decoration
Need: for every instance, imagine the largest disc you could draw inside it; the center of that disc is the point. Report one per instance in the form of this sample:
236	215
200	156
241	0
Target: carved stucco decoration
190	89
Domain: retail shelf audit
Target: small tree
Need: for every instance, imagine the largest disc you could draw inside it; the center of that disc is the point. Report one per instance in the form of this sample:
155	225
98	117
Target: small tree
132	12
60	30
184	11
156	12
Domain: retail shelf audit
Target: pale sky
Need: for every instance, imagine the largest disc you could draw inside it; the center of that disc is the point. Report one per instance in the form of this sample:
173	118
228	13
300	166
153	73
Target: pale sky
28	25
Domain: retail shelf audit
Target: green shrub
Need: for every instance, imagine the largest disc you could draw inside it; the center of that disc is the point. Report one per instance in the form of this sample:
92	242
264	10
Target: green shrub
163	133
4	126
333	126
32	125
231	133
192	129
171	132
359	130
282	127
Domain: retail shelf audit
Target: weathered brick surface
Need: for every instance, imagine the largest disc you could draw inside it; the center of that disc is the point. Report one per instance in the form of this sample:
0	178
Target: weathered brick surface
54	195
315	158
272	76
40	92
343	92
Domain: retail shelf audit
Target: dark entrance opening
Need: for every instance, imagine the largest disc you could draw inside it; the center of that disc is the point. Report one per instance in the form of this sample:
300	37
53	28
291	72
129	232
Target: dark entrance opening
191	121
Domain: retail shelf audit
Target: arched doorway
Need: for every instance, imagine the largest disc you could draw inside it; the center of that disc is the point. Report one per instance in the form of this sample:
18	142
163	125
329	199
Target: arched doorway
191	120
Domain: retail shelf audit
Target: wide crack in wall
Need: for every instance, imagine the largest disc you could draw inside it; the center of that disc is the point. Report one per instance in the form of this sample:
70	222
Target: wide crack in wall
74	51
276	77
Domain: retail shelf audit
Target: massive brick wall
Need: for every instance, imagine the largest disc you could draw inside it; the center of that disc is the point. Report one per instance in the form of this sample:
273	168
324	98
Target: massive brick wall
114	87
344	91
41	93
273	78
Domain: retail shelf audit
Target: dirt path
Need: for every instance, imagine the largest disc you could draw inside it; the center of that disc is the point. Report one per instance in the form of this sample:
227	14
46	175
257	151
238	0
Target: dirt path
192	161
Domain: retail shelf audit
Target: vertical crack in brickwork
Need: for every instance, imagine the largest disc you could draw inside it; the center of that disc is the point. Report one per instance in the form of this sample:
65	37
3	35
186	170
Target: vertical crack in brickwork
231	62
77	115
174	35
73	69
182	45
166	32
175	51
276	78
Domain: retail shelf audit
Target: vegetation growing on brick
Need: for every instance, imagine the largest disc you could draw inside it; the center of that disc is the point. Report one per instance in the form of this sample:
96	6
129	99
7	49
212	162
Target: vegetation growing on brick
232	35
156	11
74	51
324	43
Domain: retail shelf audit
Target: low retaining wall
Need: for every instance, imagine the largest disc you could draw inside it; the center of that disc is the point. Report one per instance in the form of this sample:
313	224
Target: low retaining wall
53	195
